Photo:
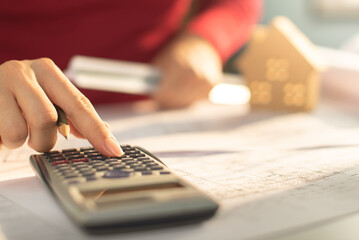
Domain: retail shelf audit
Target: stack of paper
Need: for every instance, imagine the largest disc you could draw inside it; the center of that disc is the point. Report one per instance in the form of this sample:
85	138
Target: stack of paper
341	78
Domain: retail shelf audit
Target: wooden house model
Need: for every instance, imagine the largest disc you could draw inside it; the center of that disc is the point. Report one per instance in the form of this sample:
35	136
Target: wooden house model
281	67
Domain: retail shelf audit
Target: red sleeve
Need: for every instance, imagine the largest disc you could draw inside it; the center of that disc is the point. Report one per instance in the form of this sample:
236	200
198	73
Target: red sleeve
226	24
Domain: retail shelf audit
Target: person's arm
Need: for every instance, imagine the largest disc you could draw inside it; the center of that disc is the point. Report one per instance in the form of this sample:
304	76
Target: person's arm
28	91
192	62
225	24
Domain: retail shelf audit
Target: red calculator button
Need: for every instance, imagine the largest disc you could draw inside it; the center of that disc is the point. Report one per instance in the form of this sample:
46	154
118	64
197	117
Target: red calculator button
79	160
60	162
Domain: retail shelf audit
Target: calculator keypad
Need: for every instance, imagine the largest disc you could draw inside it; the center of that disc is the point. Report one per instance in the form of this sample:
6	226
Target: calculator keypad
87	164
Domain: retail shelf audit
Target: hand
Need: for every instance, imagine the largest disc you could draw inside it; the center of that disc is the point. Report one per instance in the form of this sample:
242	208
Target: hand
190	67
28	90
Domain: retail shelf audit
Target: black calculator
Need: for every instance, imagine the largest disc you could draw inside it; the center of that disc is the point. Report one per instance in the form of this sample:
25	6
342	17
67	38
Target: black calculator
123	193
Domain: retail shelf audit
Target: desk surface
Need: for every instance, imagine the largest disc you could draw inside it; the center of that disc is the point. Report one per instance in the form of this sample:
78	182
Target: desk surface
271	173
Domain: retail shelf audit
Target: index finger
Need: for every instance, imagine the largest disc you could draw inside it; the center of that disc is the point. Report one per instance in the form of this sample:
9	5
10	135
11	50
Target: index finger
76	106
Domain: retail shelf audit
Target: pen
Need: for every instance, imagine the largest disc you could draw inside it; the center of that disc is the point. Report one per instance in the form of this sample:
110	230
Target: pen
62	123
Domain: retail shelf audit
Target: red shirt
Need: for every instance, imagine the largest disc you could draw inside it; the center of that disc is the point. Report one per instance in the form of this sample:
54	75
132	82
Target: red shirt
128	30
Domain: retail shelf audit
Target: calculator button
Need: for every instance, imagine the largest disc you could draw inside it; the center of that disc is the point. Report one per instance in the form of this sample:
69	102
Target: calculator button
119	166
165	172
101	168
68	154
69	150
134	164
98	165
62	167
57	159
148	162
140	168
73	182
151	165
91	178
131	162
94	154
85	169
116	163
156	168
110	161
90	149
60	162
146	172
89	152
97	157
132	152
51	153
95	161
88	173
71	175
116	174
77	160
54	156
79	164
126	159
126	147
66	171
75	156
87	148
118	158
137	155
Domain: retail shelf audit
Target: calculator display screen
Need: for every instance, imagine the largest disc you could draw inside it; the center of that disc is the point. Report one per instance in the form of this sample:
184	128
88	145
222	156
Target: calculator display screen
111	192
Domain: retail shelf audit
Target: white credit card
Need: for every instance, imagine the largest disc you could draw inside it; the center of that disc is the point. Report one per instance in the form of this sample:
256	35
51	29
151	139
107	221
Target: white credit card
120	76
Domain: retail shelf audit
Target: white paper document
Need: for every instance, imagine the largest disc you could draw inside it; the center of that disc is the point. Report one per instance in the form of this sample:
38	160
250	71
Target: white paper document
271	173
341	77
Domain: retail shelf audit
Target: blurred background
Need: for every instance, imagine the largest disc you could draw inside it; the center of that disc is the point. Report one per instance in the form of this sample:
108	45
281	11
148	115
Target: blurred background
329	23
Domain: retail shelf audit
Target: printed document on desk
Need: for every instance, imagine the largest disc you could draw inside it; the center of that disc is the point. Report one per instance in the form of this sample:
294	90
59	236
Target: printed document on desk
271	173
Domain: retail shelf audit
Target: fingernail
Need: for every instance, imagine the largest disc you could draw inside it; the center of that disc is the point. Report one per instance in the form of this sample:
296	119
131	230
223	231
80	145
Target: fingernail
113	147
106	124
